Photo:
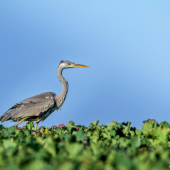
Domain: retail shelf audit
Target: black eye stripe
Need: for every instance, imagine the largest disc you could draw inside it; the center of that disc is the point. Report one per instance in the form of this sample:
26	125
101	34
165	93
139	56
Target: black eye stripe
67	62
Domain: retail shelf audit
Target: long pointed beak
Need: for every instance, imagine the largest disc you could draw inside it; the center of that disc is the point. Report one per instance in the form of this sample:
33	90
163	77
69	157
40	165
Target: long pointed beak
79	65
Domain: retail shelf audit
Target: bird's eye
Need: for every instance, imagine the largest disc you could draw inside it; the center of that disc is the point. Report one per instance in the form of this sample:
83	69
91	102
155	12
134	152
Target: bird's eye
69	63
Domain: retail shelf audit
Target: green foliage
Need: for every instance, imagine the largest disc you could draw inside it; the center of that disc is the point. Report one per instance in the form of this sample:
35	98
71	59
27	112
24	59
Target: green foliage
165	124
149	125
75	147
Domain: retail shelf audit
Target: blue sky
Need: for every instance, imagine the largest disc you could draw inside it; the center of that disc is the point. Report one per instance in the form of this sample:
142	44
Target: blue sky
125	43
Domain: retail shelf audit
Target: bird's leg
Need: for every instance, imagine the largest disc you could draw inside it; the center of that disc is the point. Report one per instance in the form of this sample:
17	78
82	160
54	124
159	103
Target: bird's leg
25	118
36	131
36	125
16	126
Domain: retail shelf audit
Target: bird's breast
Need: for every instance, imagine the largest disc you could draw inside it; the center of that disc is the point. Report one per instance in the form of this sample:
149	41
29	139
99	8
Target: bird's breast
44	116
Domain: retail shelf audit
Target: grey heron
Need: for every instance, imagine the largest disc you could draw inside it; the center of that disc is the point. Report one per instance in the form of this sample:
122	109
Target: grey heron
39	107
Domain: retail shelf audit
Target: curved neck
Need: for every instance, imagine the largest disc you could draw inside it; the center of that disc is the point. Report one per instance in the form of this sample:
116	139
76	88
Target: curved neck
62	96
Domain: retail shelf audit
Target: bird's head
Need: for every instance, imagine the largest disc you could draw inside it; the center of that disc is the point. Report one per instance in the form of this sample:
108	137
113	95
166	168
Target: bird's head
69	64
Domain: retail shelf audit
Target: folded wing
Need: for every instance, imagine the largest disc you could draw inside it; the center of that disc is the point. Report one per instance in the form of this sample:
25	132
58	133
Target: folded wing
31	107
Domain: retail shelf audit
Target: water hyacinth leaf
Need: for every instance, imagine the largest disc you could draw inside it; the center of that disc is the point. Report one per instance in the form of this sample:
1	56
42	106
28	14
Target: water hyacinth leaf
5	133
164	124
132	133
145	143
89	133
70	124
159	135
112	133
8	144
109	126
80	135
11	129
94	139
126	129
105	135
138	132
126	124
49	146
119	126
113	123
26	133
148	125
97	133
47	131
115	146
38	164
1	126
126	163
30	125
135	142
74	149
95	122
67	137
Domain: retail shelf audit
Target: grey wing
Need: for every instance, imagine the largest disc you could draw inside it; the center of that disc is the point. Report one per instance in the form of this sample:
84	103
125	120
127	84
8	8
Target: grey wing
34	106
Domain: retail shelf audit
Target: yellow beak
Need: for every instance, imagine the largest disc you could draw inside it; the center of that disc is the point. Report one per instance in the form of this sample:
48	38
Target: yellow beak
79	65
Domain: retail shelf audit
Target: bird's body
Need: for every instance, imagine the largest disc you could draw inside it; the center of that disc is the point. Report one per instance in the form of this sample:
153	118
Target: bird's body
39	107
36	108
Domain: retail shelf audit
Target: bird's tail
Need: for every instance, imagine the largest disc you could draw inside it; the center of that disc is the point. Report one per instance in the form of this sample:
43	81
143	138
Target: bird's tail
6	116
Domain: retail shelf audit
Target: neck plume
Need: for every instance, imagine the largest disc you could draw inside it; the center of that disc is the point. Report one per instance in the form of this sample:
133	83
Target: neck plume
62	96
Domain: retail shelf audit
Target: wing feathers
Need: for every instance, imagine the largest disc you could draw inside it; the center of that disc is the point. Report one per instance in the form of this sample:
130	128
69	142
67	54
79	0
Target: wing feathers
34	106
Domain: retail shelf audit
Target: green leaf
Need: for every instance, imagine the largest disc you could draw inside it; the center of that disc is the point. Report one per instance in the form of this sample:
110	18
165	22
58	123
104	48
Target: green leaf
30	125
49	146
112	133
145	142
159	135
1	126
165	124
126	129
70	124
138	132
80	135
135	142
74	149
95	122
11	129
148	125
